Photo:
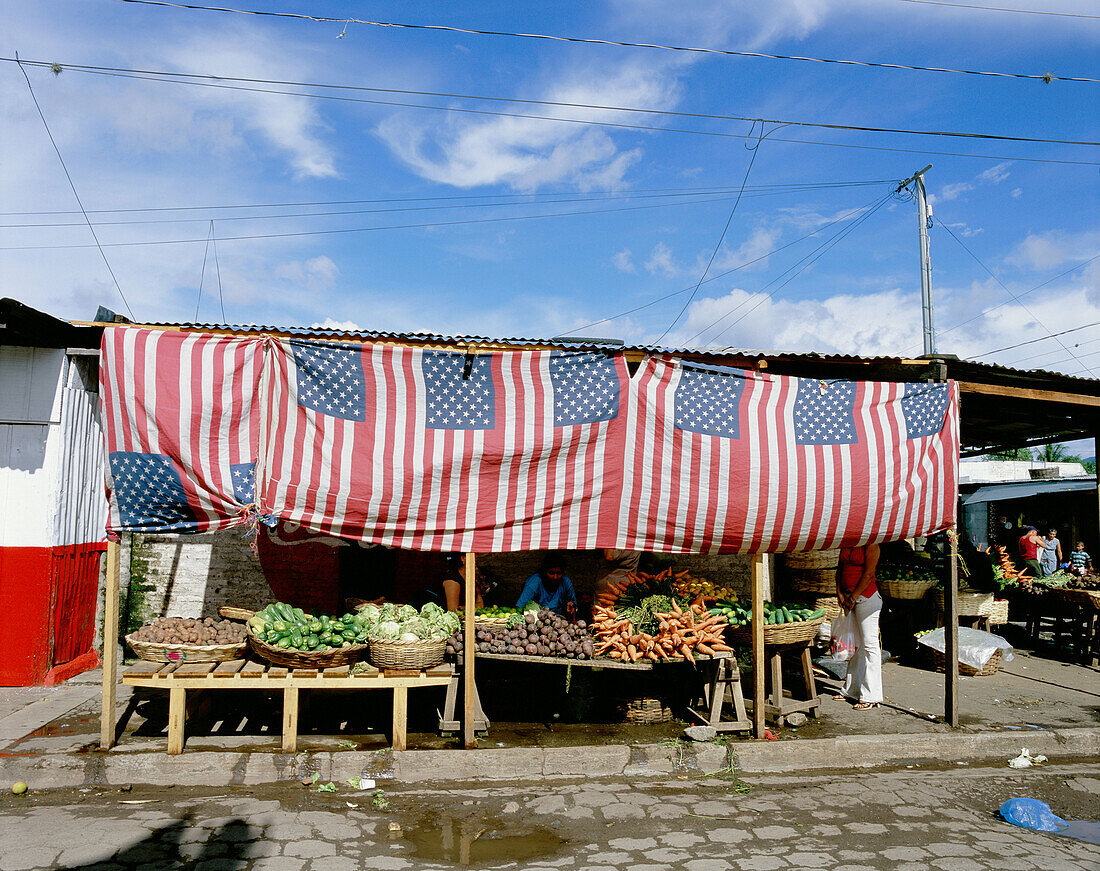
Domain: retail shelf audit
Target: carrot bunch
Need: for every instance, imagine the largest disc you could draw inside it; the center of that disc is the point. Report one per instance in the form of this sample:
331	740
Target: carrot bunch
1009	568
658	583
682	632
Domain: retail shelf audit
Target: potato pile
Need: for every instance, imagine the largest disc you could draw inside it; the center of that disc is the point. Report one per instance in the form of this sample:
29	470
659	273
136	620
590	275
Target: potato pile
191	630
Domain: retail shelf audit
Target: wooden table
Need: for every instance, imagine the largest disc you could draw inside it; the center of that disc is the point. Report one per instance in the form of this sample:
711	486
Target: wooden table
237	674
778	704
722	687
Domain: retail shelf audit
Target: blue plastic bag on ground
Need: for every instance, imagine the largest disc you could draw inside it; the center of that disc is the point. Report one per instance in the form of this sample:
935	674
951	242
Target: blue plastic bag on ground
1030	813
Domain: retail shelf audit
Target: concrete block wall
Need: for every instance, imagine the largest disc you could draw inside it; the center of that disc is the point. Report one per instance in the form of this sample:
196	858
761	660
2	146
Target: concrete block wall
192	575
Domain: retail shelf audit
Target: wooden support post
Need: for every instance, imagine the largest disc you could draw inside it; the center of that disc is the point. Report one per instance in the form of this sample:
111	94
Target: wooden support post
290	719
110	648
177	714
400	717
468	688
951	636
758	645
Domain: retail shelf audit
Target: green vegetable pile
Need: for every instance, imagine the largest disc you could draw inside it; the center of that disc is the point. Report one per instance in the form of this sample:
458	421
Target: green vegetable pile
288	628
774	615
641	615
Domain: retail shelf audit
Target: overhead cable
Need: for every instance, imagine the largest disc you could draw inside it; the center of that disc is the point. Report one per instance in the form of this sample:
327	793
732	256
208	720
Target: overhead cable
76	195
167	75
1000	9
1044	77
1033	341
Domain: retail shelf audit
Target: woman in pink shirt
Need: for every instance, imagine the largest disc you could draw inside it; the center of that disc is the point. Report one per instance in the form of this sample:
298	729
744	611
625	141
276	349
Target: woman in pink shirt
857	592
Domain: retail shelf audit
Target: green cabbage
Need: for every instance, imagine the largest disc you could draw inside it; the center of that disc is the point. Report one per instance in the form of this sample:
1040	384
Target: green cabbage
386	630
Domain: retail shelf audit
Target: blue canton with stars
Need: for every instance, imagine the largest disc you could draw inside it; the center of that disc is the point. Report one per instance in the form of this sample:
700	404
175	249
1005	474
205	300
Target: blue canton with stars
707	401
824	413
586	388
330	379
923	407
244	482
149	493
456	402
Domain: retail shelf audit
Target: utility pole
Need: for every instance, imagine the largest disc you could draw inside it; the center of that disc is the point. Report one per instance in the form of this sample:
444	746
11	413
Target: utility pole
924	219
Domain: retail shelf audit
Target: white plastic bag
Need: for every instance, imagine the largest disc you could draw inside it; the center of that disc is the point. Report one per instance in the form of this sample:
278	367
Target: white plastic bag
843	644
975	646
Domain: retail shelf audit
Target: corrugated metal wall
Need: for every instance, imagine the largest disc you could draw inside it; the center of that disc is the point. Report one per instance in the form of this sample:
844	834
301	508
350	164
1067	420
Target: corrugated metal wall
82	503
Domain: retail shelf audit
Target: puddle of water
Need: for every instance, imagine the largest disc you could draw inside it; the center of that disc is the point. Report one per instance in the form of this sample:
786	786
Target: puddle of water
1082	830
71	726
479	842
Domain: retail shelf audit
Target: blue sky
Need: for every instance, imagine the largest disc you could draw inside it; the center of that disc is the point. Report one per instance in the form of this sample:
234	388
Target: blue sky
660	199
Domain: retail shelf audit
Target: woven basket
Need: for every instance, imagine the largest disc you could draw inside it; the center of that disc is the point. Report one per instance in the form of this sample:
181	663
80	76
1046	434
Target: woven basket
154	652
1088	598
490	622
813	582
939	663
801	632
998	614
407	654
907	589
231	613
326	657
829	604
644	711
970	604
812	559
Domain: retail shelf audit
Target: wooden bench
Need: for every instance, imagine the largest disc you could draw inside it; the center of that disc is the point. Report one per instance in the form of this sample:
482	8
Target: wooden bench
236	674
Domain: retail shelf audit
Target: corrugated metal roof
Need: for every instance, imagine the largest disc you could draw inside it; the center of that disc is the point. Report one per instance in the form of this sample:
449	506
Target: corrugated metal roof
610	344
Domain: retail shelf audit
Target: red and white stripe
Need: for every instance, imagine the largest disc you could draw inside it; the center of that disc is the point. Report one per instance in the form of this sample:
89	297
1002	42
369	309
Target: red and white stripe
526	484
190	396
763	492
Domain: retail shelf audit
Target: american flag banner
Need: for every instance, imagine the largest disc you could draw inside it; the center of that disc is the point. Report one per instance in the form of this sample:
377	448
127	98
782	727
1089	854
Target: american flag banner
181	419
443	450
727	460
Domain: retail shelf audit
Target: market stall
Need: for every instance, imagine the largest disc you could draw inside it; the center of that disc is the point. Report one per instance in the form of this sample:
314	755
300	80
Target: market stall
489	450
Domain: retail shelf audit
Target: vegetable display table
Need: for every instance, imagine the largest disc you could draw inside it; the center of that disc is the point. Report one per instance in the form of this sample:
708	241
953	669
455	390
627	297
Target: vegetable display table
246	674
721	689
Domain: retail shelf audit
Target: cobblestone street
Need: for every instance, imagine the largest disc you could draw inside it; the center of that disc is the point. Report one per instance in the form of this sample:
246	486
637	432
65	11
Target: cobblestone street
902	821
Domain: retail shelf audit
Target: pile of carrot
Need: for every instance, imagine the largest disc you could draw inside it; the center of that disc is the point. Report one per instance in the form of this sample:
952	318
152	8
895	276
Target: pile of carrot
682	632
611	593
1009	567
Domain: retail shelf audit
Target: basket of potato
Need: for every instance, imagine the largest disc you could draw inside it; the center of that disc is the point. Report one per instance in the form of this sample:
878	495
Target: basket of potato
189	639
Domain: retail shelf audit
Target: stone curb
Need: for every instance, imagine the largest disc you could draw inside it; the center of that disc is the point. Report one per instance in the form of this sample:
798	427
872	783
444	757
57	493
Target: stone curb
232	768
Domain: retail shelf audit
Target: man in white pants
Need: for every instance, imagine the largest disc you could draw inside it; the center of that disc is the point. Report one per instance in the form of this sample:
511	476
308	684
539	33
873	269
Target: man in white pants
857	592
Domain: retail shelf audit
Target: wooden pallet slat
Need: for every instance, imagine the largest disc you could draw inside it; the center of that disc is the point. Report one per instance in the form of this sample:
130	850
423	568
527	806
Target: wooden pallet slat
144	668
253	669
228	669
401	672
277	672
194	669
337	671
305	672
168	669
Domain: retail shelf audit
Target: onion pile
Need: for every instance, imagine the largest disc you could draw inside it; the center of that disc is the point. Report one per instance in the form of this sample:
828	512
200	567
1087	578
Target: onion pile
541	634
191	630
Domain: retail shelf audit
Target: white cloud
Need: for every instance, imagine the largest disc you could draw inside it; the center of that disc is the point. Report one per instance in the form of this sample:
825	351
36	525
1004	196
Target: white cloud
342	326
761	241
1016	192
1049	250
660	261
951	192
526	153
965	230
996	174
317	273
623	261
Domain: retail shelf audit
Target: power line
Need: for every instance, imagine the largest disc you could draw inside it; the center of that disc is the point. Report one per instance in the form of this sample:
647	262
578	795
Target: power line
202	273
1000	9
427	224
993	308
1020	360
1004	287
1044	77
798	268
583	121
744	265
1033	341
187	78
721	239
218	270
57	150
716	196
609	193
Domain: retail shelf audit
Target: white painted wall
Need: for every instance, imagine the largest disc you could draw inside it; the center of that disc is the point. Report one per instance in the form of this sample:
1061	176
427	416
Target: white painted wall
30	443
1004	471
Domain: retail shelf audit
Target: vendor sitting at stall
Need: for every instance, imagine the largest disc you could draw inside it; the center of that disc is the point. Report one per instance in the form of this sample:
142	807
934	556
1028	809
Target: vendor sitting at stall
446	591
549	587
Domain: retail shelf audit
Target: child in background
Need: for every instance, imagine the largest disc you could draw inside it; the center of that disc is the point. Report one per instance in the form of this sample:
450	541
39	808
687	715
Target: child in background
1079	561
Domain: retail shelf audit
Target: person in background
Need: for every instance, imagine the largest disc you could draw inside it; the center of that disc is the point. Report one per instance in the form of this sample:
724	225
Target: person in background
1030	544
616	566
858	593
550	587
446	592
1051	554
1079	561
